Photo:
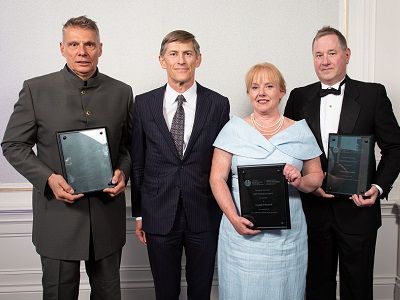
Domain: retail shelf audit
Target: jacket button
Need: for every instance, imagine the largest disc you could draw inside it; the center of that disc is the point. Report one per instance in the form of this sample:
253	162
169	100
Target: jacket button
88	113
83	92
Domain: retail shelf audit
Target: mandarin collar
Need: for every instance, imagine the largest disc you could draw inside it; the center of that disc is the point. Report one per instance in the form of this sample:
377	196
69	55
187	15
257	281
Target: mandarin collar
77	82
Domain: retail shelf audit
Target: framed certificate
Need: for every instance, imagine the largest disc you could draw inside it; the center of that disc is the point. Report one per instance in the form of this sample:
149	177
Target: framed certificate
85	159
349	167
264	198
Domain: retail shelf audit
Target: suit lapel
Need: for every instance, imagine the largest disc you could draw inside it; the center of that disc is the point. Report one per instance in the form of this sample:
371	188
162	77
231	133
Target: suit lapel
350	108
202	108
156	107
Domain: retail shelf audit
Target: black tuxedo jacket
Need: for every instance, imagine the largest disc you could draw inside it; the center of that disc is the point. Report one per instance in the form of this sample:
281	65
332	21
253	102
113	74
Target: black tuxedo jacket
366	109
159	176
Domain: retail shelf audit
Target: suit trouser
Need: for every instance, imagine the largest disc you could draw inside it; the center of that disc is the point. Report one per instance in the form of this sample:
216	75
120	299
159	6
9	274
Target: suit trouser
356	254
165	255
61	278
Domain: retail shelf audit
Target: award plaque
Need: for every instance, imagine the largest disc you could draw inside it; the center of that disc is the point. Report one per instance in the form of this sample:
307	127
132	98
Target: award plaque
85	159
349	168
264	198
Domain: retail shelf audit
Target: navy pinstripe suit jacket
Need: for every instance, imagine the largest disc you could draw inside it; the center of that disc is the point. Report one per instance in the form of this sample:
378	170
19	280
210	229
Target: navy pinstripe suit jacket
159	176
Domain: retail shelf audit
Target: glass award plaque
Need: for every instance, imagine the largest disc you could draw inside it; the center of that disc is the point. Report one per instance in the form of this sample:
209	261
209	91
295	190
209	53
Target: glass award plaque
85	159
349	169
264	198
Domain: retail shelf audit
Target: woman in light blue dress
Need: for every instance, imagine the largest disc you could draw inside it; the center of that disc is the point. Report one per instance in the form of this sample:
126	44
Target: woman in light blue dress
268	264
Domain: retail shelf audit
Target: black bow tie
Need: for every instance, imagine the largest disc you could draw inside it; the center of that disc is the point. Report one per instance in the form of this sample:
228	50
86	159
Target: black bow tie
324	92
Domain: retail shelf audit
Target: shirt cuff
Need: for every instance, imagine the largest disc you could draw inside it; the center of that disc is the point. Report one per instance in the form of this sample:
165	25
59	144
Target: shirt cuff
377	186
138	218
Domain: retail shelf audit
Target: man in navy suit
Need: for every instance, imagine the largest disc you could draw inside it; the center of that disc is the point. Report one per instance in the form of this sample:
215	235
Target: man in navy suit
344	227
170	182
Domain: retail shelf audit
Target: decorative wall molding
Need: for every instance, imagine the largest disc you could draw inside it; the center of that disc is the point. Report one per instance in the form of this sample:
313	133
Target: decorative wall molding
21	279
361	32
24	278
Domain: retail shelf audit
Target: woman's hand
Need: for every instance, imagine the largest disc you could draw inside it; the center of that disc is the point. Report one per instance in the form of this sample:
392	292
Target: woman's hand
242	226
292	175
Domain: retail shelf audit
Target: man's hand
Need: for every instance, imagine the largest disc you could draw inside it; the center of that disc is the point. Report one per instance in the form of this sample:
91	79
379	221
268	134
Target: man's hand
119	181
368	200
140	233
61	189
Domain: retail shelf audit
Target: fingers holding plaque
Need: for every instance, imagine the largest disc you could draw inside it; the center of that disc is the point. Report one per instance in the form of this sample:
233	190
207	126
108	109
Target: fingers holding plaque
264	198
349	167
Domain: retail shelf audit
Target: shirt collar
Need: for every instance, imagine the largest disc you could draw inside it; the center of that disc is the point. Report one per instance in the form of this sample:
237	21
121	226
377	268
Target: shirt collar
190	94
335	86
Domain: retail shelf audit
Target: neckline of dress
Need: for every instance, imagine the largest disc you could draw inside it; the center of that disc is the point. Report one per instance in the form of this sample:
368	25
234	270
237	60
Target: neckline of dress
251	126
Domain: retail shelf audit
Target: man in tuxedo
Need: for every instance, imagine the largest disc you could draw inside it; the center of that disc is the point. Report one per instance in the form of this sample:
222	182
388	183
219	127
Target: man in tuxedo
341	227
171	157
70	227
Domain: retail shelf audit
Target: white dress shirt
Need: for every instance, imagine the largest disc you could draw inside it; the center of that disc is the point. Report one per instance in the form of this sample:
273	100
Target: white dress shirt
331	106
189	106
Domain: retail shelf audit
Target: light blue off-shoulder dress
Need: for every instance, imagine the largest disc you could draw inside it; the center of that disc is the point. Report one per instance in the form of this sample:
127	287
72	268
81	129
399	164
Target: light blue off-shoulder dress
273	264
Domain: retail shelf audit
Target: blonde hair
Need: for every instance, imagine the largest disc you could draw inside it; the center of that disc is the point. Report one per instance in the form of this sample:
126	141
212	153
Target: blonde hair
268	69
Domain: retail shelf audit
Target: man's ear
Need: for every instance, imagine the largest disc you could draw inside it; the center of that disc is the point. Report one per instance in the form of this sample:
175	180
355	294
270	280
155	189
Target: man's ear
162	62
101	49
198	61
62	49
348	53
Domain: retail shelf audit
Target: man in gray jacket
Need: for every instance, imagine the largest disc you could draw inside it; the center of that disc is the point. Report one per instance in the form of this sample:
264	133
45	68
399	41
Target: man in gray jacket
70	227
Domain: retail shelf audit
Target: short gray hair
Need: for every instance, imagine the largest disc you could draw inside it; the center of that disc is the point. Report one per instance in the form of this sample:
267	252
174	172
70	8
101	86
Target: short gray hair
82	22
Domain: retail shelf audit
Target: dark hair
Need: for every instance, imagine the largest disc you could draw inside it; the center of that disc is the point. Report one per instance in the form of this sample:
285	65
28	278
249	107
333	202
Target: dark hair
179	36
82	22
327	30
